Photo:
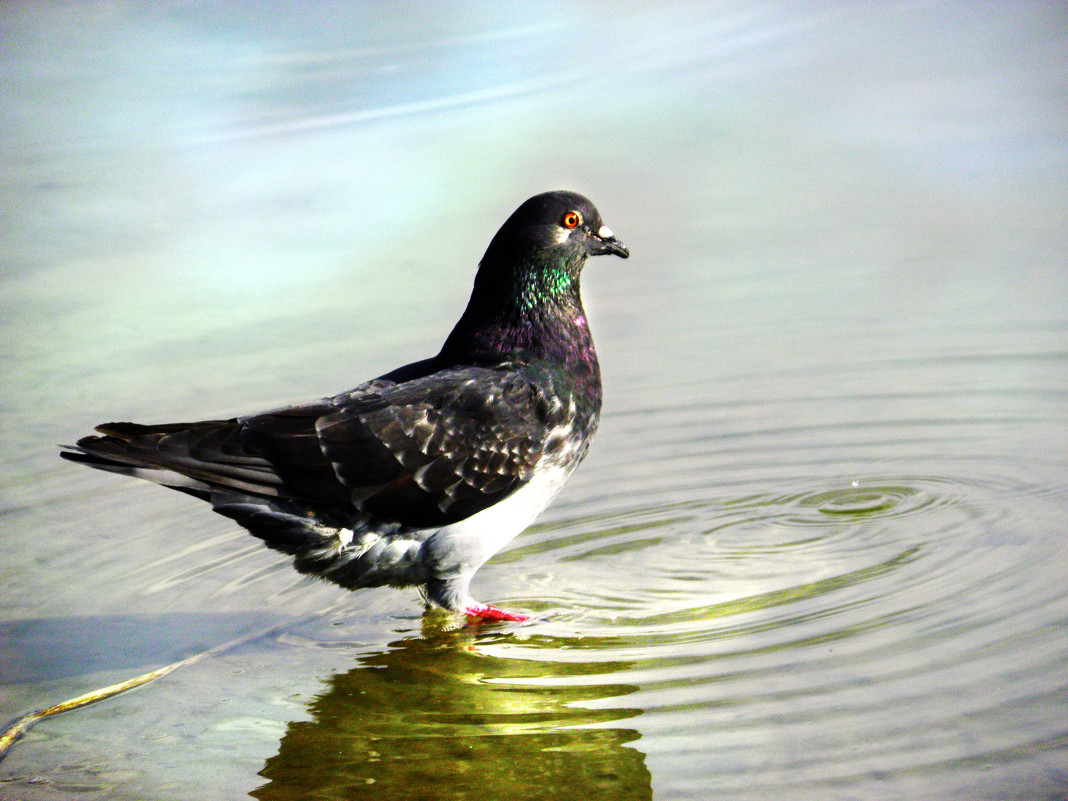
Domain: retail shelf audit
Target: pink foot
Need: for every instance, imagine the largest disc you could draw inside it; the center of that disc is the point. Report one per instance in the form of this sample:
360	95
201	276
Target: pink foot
483	612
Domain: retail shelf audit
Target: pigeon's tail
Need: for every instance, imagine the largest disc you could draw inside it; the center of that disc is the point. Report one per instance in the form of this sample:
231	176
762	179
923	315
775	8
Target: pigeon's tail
192	457
207	460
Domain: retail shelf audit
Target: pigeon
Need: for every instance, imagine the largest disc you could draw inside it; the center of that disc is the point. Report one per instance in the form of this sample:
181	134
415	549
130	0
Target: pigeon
419	476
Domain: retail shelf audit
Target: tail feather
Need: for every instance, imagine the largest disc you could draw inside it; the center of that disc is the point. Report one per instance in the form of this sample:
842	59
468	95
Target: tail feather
209	460
180	455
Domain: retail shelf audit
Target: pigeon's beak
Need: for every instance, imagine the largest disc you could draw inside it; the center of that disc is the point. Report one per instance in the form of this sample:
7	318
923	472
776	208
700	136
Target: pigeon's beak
604	241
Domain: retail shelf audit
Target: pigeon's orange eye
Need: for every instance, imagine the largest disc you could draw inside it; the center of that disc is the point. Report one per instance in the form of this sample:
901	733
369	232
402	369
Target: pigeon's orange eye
571	219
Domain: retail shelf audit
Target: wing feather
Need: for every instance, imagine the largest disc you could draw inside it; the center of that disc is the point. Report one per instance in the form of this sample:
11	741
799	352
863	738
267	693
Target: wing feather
436	450
429	451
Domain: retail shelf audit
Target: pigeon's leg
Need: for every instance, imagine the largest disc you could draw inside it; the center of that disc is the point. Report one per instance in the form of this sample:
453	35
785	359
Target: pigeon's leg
451	593
485	612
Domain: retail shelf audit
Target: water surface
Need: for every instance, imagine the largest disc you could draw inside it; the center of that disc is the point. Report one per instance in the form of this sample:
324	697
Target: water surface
817	548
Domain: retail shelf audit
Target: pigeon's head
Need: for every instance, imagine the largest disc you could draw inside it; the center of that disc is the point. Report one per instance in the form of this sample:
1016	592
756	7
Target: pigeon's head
526	297
556	226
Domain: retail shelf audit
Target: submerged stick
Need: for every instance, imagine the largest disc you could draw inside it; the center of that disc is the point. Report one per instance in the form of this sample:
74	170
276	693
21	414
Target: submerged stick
13	733
16	730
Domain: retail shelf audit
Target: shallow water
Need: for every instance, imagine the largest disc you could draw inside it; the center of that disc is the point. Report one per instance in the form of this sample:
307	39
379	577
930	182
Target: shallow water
817	548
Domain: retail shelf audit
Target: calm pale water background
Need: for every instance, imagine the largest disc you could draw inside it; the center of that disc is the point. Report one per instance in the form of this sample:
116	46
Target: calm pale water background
818	550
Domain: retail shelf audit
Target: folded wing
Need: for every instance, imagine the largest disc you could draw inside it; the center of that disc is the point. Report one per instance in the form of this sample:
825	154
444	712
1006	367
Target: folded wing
426	452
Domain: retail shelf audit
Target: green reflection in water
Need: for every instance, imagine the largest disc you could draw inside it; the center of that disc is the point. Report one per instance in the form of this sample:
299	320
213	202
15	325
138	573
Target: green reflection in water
434	718
786	595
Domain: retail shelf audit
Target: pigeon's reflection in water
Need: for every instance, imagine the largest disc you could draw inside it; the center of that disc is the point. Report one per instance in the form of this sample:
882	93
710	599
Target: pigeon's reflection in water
433	717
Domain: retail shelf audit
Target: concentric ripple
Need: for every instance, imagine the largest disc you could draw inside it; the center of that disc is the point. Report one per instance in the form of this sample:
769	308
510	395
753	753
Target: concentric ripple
867	500
903	612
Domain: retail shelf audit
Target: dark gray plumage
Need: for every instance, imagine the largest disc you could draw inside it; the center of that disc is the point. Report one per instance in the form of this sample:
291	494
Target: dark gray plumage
419	476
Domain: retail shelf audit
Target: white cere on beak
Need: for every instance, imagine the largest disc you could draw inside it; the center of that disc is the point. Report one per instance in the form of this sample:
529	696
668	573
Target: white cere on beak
605	232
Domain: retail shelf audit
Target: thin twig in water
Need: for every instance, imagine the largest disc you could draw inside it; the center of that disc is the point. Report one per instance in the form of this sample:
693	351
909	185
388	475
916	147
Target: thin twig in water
13	733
